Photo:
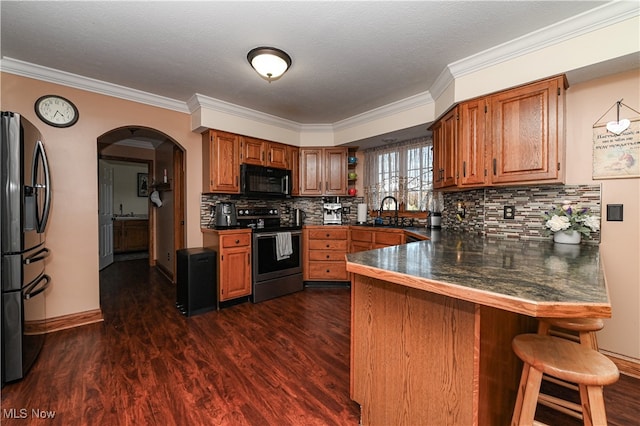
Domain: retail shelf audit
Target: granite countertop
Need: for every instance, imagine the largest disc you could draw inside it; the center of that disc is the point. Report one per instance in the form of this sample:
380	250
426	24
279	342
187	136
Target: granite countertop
536	278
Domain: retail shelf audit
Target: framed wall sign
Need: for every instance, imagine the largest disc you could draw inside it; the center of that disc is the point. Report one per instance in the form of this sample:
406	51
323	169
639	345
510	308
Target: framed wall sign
616	156
143	185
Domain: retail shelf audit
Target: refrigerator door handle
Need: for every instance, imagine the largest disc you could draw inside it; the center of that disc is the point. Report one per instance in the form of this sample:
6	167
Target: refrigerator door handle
31	291
41	155
37	256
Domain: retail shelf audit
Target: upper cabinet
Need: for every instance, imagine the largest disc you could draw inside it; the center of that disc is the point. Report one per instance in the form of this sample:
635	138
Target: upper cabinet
220	162
511	137
323	171
263	153
293	164
445	136
528	133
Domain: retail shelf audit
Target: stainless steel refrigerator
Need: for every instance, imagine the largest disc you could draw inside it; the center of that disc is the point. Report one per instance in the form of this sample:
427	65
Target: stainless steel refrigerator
25	201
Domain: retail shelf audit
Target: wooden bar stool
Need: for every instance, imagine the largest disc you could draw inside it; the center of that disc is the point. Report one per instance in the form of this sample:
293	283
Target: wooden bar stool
581	330
564	360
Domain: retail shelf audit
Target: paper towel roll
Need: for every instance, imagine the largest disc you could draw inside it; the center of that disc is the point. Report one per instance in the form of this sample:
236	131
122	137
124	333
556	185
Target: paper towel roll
362	213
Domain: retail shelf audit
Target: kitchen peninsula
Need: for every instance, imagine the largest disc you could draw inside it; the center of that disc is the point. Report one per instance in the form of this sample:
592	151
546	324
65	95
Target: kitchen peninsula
432	322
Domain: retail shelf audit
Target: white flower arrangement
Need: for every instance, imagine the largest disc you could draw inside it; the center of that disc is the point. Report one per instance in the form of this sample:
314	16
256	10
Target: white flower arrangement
566	218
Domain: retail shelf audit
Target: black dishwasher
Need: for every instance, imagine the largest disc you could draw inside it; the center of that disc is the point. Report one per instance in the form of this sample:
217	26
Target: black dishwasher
197	287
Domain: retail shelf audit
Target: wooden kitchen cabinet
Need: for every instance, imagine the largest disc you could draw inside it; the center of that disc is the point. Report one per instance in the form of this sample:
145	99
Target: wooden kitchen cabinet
263	153
234	261
324	253
528	133
511	137
220	162
293	164
445	136
367	238
472	149
323	171
252	151
130	235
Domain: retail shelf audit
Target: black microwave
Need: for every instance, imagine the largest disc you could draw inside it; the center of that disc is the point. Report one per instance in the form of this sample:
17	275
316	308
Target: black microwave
260	181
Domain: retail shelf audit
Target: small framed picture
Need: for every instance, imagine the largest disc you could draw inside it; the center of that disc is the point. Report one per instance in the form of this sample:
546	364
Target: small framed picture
143	185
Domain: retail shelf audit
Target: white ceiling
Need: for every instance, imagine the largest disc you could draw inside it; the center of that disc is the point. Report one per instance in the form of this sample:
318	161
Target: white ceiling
348	57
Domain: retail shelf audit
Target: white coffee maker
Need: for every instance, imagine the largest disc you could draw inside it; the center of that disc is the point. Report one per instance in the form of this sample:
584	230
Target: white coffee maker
332	213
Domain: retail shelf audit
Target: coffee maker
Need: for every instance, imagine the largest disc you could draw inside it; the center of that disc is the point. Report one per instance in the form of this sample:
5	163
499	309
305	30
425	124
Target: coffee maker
332	213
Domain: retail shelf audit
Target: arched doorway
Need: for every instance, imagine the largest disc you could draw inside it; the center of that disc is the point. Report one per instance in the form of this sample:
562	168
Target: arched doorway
165	177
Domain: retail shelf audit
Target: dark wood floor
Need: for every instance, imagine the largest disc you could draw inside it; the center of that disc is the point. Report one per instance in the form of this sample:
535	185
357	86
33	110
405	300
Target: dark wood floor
280	362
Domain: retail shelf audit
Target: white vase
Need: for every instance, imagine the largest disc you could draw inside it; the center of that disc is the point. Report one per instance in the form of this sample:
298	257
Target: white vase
567	237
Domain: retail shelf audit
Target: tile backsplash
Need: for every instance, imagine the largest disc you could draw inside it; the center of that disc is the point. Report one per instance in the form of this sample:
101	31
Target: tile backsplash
484	208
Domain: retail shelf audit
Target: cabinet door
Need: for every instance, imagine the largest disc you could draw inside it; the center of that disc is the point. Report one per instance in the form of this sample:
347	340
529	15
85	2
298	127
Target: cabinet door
253	151
527	133
335	171
136	234
118	240
235	273
310	171
445	135
472	149
276	155
221	162
293	164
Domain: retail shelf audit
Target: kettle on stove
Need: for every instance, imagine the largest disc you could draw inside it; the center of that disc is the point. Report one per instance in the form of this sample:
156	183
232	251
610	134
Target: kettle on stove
297	217
225	215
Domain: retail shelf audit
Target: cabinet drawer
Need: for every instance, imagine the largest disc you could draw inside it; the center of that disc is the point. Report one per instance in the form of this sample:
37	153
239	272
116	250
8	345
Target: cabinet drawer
328	245
326	255
235	240
328	234
361	236
328	271
389	238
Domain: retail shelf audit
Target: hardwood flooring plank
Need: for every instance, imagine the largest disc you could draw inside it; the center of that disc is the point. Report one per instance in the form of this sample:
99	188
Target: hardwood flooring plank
284	361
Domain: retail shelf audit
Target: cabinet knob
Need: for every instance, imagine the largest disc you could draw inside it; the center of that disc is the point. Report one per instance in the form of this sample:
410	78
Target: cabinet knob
328	270
327	245
237	241
328	256
328	235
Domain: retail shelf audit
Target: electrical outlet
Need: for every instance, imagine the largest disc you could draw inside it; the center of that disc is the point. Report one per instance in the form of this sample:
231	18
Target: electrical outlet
346	210
509	212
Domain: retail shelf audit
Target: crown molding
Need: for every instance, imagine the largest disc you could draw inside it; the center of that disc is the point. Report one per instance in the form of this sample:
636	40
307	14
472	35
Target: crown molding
575	26
38	72
198	101
415	101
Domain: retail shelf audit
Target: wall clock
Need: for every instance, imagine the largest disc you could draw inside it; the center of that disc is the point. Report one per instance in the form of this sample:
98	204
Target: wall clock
56	111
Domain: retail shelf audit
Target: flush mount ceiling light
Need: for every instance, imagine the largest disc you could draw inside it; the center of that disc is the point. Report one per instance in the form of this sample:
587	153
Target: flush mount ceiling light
269	62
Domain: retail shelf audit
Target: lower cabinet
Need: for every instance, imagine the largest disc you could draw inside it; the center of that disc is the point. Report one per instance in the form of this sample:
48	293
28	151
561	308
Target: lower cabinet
324	253
234	261
130	235
364	238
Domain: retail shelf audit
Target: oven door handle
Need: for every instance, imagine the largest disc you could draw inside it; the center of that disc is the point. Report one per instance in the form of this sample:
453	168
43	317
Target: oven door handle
273	234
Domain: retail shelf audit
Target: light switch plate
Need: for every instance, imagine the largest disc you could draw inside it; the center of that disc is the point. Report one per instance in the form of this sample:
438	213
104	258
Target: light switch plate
614	212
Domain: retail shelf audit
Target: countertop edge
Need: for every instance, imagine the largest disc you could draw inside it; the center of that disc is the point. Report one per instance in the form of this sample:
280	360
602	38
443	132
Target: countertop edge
495	300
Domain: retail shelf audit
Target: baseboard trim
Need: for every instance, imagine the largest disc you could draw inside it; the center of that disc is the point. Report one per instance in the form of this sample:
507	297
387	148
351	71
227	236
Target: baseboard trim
164	271
64	322
627	366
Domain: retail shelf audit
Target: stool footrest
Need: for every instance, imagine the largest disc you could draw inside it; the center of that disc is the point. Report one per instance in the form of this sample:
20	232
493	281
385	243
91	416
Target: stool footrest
567	407
559	382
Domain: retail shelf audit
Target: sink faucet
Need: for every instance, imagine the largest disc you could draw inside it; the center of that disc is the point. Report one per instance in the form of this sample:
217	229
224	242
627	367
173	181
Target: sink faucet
389	197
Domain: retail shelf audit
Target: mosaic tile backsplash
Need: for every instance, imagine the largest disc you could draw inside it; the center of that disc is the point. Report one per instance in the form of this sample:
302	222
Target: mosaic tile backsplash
484	209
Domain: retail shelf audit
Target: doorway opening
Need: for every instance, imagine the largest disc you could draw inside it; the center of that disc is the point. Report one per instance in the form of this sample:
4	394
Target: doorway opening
141	197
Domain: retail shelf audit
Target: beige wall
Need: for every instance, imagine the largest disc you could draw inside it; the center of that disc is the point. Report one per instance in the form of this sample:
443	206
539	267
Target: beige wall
72	234
620	243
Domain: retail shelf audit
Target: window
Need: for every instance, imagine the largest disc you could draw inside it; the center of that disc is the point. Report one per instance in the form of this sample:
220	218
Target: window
403	171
